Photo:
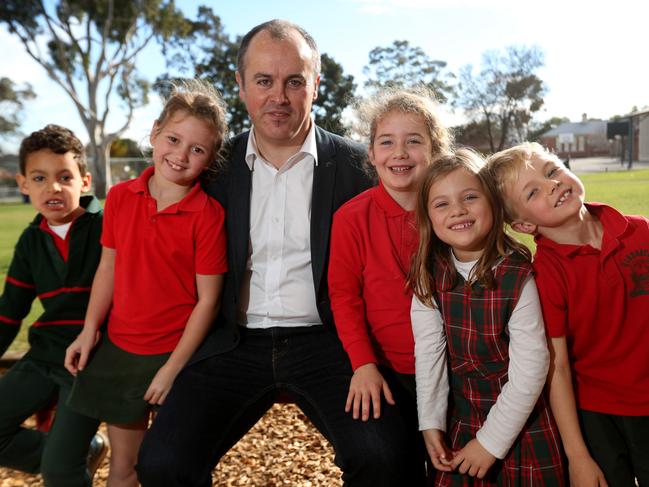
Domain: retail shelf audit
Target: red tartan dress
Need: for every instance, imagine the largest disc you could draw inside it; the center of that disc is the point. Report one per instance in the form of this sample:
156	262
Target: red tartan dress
475	321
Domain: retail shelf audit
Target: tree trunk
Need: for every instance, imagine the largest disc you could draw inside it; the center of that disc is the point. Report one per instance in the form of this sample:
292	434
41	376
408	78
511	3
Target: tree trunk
100	168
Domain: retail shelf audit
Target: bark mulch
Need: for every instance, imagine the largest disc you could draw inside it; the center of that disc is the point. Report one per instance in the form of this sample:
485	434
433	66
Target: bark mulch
283	449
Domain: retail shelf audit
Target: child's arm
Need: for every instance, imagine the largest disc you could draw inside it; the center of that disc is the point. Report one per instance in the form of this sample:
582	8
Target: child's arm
583	469
346	291
527	373
199	322
101	297
432	380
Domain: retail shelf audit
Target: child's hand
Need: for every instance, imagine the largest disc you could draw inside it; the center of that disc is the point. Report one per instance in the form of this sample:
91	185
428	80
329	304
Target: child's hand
76	355
439	453
160	385
584	472
473	459
365	391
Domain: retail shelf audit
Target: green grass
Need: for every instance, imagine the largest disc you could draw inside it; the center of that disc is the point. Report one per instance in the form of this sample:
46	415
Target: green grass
626	191
13	219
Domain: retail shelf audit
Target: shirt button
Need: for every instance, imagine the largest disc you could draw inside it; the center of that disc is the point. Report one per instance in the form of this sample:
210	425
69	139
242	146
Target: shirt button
276	220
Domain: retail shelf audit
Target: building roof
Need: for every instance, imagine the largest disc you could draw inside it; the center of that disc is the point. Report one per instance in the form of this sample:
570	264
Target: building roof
589	127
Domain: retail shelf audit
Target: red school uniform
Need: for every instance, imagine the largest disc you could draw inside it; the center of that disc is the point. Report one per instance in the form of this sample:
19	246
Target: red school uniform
158	254
372	242
599	300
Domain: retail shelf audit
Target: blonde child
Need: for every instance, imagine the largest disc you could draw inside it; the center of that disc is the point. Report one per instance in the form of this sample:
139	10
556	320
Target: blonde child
476	303
372	242
592	268
159	280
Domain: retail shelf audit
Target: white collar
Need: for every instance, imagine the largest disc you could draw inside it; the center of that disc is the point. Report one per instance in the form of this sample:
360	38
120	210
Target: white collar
309	147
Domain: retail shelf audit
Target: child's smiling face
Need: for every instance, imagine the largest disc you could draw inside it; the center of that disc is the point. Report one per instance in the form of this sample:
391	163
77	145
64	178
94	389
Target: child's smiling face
401	150
545	194
182	148
54	185
460	213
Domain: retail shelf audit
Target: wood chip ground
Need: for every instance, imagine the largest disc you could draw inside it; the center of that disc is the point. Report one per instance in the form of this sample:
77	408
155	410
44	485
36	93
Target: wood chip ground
283	449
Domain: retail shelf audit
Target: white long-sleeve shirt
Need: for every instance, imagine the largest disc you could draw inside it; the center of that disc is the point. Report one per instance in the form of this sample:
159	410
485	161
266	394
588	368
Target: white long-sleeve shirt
529	361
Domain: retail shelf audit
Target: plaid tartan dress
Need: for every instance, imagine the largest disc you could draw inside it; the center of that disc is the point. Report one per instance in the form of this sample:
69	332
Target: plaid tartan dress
475	321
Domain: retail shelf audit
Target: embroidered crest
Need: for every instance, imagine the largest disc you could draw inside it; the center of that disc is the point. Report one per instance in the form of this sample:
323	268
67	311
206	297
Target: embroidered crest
638	264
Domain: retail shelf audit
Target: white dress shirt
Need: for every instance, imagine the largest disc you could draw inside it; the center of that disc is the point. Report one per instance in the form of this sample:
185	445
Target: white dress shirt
280	290
529	361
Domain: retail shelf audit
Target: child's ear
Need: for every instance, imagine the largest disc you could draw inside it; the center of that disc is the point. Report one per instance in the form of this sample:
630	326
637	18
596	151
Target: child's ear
524	227
370	155
86	182
21	180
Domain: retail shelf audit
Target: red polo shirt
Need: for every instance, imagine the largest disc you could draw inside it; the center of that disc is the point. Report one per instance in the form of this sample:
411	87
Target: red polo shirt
158	254
599	300
372	242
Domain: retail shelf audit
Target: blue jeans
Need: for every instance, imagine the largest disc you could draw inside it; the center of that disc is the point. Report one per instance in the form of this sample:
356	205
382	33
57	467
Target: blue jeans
214	402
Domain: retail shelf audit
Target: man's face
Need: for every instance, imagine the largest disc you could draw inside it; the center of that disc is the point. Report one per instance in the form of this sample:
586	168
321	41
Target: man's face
278	87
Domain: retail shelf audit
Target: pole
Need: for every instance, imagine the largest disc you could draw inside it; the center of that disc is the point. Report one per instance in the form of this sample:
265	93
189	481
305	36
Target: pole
629	143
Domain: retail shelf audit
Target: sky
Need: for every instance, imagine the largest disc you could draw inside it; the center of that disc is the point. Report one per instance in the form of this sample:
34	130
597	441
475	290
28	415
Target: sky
594	50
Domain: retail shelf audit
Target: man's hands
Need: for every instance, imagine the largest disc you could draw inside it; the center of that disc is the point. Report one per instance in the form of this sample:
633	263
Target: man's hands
365	390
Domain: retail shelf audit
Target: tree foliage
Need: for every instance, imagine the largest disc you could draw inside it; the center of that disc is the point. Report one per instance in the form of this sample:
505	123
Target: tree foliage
125	148
12	98
208	52
89	48
334	95
404	66
505	94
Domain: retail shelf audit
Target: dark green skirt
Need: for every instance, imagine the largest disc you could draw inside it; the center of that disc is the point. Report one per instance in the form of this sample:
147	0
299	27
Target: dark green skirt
112	386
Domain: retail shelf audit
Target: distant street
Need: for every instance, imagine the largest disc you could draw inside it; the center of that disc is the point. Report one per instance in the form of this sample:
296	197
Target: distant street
602	164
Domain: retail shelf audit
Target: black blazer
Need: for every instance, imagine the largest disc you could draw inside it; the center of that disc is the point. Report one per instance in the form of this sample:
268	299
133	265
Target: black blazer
338	177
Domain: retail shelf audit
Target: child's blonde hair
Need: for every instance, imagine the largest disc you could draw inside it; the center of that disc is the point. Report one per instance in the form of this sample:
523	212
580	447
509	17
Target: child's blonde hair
200	100
505	166
434	252
417	101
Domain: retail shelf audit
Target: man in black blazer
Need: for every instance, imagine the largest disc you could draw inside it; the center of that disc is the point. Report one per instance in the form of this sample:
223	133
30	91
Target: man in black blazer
282	182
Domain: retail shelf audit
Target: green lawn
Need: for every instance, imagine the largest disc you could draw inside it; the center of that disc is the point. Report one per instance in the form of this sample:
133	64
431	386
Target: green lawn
627	191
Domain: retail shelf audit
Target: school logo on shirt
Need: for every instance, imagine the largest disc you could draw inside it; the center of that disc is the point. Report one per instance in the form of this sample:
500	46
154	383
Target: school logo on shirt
638	264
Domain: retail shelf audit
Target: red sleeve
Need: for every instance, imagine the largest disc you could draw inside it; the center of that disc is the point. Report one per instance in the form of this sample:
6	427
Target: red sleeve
346	264
552	293
210	240
107	231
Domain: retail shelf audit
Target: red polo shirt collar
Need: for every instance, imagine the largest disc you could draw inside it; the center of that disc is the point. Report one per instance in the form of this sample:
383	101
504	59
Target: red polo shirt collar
195	200
382	198
612	220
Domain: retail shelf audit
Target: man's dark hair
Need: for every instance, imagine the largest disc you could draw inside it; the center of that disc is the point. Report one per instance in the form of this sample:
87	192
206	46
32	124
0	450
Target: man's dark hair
57	139
280	30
